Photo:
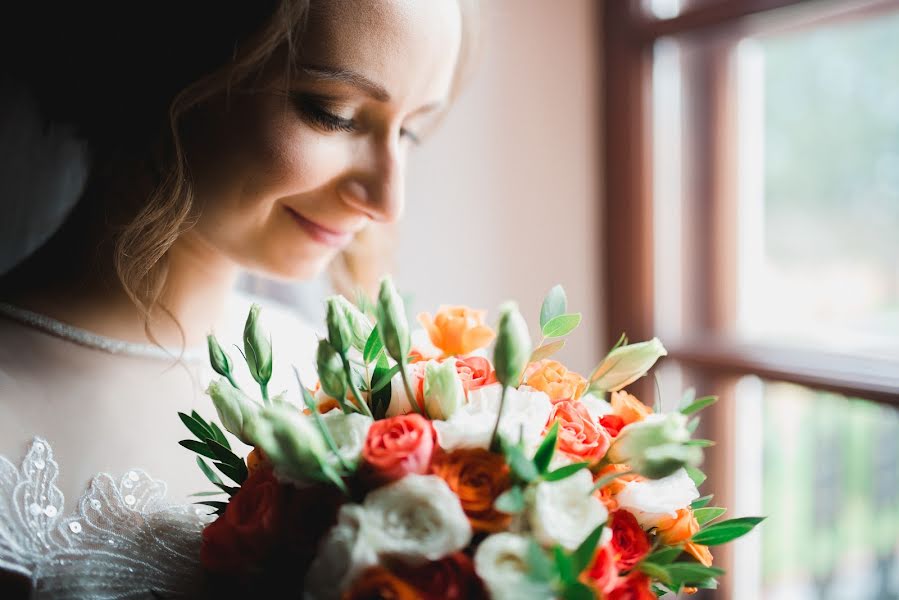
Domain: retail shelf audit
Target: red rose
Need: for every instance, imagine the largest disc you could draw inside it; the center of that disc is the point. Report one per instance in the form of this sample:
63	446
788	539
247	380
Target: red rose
602	574
398	446
629	541
633	587
267	520
377	583
451	578
475	372
613	424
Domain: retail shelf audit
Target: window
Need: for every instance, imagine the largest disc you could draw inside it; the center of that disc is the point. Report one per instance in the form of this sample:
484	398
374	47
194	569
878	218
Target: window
752	175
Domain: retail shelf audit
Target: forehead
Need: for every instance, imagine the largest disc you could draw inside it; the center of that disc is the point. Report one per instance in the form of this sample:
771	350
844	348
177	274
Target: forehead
410	47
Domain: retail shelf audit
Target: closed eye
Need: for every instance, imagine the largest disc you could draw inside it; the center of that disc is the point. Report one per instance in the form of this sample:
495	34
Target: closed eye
314	110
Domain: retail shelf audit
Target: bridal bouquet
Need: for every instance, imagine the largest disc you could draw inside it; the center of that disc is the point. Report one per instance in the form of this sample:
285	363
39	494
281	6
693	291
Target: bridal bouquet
436	472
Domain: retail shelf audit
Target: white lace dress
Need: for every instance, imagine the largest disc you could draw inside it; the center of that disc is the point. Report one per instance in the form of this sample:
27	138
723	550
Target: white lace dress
123	536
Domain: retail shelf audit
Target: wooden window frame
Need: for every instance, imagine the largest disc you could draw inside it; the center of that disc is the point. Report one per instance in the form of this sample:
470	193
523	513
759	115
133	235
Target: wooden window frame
711	361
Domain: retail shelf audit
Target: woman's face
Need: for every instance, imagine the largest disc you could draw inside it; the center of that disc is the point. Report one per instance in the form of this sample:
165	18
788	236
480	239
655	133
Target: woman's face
285	180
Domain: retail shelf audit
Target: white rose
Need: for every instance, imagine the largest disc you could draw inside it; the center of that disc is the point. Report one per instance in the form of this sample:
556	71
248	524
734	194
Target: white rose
526	412
501	562
565	512
342	555
653	499
416	519
399	399
348	432
597	407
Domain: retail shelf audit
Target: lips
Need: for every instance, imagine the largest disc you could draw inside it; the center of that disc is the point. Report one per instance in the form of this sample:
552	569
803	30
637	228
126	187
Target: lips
319	233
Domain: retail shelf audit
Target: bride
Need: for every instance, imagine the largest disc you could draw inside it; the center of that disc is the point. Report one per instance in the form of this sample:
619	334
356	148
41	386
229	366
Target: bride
266	137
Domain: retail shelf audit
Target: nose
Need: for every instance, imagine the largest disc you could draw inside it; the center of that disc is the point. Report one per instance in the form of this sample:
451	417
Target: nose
375	185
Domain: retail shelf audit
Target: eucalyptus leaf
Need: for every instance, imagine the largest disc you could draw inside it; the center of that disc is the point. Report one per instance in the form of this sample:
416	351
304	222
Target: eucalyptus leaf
200	431
224	454
218	435
207	470
554	305
688	397
540	568
205	494
698	405
691	572
696	475
198	447
511	501
219	505
692	425
699	443
701	502
520	465
665	555
655	571
725	531
705	515
546	350
544	453
561	325
566	471
231	472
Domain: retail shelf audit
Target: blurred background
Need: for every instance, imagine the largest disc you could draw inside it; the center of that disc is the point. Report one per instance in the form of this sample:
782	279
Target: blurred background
723	174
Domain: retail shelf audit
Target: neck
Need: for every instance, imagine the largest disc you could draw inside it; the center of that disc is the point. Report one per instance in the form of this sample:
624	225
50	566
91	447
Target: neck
198	282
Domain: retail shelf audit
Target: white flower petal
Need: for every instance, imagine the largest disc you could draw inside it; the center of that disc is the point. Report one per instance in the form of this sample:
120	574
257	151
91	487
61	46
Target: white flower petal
501	562
565	512
652	499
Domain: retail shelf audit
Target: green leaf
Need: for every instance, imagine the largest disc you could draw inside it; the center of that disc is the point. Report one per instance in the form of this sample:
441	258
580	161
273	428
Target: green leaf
204	494
544	453
699	443
554	305
380	400
655	571
540	568
698	405
692	425
546	350
577	591
225	455
564	565
219	435
198	447
520	465
725	531
583	556
688	397
333	476
200	431
561	325
382	379
607	479
373	346
566	471
701	502
231	472
207	470
704	515
696	475
664	556
511	501
219	505
691	572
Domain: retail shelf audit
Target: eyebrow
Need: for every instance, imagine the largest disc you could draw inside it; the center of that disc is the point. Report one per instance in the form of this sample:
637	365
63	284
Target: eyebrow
362	82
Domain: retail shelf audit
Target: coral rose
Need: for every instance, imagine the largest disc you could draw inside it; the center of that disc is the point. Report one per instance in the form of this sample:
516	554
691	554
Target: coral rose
450	578
475	372
478	477
579	436
457	330
633	587
398	446
269	521
602	574
629	408
556	380
629	541
377	583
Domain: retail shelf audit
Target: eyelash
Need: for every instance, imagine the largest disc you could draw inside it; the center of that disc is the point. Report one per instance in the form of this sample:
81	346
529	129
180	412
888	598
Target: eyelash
327	120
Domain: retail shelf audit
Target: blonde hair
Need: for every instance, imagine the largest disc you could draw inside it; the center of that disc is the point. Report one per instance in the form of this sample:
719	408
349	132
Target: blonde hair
141	244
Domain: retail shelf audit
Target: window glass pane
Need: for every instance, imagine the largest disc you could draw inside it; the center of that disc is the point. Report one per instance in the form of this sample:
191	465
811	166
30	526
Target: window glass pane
819	195
825	469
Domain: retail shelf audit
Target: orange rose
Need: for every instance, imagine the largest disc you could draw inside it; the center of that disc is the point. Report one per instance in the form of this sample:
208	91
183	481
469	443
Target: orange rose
556	380
478	477
377	583
700	553
457	330
679	529
629	408
579	436
256	460
610	490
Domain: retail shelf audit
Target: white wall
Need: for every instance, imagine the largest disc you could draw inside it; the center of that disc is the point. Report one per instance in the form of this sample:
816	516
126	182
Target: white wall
503	200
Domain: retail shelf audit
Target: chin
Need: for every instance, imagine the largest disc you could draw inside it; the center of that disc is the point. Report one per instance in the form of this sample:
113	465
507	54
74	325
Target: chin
299	269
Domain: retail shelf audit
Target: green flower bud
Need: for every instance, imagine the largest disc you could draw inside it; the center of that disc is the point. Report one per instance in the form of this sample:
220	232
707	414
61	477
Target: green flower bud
626	364
513	345
236	411
655	446
360	326
443	389
339	333
330	370
292	442
220	361
392	323
257	348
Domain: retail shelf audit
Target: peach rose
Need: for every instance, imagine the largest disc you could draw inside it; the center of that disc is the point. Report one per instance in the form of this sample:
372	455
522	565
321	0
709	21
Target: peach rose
457	330
678	529
397	446
478	477
629	408
556	380
475	372
579	436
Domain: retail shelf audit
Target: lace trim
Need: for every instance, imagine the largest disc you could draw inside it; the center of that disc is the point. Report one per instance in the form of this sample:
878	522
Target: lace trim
122	541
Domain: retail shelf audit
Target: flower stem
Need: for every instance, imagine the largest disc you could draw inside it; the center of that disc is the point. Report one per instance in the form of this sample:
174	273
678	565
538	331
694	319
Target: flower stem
412	399
494	441
264	388
349	381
